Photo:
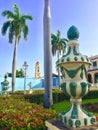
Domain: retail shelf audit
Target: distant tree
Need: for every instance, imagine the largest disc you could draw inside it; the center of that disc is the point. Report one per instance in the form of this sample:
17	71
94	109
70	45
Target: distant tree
16	25
58	47
9	74
19	73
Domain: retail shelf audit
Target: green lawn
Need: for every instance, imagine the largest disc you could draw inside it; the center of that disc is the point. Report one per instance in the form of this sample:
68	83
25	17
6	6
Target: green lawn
65	105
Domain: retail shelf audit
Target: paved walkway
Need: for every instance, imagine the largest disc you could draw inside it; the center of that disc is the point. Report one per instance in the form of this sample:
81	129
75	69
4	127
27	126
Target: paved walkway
57	125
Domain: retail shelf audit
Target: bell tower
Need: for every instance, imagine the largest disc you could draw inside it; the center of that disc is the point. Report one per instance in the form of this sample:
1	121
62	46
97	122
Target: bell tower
37	70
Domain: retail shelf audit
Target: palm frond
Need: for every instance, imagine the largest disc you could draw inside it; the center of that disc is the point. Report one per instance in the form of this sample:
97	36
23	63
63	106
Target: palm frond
26	16
10	35
53	51
7	14
12	31
53	36
5	27
58	43
17	11
58	33
63	49
17	24
64	39
25	31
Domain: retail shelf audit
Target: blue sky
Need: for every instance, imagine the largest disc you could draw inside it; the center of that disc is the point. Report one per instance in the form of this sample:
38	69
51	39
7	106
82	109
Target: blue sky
64	13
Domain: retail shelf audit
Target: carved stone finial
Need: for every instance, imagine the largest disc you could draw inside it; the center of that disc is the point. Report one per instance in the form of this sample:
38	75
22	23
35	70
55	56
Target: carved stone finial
73	33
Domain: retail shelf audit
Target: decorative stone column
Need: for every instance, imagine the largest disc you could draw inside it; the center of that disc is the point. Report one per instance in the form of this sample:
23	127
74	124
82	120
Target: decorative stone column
74	67
5	84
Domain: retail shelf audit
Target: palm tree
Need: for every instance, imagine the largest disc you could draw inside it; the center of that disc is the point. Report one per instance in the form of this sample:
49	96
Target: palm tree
48	101
58	47
16	25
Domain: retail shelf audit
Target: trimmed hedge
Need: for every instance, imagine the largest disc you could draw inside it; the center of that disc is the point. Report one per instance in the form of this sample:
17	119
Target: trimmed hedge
38	97
34	98
91	95
58	96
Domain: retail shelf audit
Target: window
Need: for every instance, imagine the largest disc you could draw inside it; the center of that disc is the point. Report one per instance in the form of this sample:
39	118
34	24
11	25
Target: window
94	64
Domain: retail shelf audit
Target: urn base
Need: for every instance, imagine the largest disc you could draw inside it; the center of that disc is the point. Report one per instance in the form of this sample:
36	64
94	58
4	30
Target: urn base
76	116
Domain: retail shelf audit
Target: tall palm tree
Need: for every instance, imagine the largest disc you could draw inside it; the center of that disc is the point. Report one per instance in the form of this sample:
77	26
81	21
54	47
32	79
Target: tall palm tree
58	48
16	25
48	101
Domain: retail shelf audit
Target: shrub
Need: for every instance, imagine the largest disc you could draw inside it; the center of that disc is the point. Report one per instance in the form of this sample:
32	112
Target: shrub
58	96
91	95
16	114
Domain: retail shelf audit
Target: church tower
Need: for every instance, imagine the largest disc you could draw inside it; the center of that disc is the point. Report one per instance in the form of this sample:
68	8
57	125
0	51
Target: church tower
37	70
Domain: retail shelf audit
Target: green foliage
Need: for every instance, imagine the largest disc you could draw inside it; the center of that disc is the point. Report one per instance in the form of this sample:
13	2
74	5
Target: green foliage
38	96
58	43
34	98
62	106
16	24
9	74
18	114
58	96
19	73
91	95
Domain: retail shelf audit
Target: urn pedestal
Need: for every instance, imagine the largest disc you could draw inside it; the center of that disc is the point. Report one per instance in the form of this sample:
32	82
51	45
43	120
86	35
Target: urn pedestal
74	67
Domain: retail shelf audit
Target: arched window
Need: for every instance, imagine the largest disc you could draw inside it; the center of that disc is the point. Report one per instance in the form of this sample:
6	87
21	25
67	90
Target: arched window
89	77
96	78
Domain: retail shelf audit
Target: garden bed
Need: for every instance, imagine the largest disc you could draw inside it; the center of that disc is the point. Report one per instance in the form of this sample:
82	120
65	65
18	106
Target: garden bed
93	107
18	114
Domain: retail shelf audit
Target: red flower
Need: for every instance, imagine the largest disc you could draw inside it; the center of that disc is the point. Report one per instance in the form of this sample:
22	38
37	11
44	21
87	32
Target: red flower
39	110
0	116
97	118
5	128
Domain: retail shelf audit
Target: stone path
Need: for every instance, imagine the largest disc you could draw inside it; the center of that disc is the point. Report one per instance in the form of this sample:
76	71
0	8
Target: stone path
57	125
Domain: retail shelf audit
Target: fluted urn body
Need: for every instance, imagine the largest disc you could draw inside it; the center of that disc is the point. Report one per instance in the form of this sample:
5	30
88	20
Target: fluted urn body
74	67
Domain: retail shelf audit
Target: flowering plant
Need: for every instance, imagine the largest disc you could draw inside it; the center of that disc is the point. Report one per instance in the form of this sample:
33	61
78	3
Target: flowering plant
18	114
96	117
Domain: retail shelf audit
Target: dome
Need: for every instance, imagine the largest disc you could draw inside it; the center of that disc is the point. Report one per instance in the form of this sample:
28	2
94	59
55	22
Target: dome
73	33
37	62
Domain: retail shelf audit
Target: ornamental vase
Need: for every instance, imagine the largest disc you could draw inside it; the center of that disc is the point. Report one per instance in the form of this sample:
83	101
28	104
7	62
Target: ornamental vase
74	68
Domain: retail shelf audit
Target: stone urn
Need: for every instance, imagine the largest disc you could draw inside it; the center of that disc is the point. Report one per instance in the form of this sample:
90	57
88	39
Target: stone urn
74	67
5	83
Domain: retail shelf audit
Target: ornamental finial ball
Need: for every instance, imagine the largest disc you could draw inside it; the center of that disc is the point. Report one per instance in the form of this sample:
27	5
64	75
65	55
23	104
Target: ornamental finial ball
73	33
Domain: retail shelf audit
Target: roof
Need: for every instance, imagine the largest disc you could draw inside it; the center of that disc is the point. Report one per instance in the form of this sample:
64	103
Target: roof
54	75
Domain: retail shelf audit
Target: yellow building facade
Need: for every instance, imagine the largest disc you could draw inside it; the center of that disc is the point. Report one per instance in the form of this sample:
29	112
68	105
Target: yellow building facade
37	70
93	71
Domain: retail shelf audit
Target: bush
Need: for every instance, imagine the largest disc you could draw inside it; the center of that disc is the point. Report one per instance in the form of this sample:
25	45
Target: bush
38	96
91	95
58	96
34	98
18	114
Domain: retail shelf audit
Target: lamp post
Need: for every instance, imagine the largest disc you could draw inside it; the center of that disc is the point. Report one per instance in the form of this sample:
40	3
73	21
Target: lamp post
25	66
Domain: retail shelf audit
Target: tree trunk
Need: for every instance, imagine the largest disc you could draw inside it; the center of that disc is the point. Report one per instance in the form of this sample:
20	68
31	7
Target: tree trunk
14	65
48	101
58	70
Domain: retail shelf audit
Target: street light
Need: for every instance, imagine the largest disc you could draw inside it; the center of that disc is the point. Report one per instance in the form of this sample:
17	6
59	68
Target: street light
25	66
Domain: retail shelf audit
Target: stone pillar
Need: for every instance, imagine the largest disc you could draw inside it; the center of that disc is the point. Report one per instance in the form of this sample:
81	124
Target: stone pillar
93	78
